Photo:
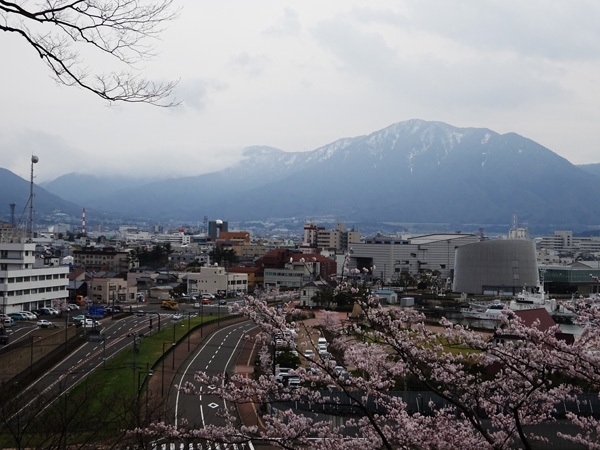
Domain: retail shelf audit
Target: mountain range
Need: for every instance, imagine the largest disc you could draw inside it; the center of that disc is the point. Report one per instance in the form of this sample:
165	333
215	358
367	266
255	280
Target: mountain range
409	172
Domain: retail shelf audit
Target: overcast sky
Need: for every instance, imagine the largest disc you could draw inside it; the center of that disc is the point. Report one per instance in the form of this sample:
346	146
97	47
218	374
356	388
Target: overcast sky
299	75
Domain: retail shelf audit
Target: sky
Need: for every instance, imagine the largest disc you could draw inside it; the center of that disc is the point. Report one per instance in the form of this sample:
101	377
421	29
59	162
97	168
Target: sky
300	75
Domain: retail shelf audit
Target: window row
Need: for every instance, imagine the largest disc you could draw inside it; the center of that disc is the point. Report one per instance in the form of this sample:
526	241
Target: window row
20	292
56	276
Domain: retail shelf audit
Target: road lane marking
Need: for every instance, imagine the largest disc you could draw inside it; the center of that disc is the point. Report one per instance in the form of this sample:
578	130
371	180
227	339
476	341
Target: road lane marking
184	374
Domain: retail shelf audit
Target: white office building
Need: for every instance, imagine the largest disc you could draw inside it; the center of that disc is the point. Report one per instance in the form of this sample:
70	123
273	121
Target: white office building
215	279
26	283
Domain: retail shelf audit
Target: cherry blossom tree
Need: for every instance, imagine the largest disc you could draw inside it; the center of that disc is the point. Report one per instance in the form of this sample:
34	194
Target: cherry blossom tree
398	383
60	31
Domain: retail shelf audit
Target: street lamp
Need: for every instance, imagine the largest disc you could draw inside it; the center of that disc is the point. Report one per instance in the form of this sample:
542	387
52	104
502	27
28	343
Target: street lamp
201	317
188	331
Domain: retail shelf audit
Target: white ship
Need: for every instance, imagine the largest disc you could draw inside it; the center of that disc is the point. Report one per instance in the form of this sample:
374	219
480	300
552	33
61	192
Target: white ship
536	298
481	312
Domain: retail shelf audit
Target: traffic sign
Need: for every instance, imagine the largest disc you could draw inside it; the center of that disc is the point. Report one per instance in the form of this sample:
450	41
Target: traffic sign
96	312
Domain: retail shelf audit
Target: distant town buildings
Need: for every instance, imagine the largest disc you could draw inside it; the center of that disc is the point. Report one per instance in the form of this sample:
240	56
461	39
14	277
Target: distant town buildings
107	268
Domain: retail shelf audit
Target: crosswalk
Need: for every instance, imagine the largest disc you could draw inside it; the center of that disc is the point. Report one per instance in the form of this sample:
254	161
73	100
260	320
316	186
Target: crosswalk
201	446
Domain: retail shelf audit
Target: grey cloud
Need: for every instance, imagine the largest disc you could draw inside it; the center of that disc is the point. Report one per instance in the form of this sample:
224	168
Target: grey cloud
252	65
555	30
54	154
195	93
484	80
289	25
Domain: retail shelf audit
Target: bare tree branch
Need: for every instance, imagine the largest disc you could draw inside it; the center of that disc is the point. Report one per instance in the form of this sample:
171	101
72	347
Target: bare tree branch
59	29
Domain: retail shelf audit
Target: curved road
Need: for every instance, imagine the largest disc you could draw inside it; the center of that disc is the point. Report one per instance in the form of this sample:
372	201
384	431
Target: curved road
217	355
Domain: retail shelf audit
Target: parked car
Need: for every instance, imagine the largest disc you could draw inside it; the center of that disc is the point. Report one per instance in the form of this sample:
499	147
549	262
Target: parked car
322	341
197	305
52	311
208	296
78	320
309	354
8	321
18	316
222	302
73	306
43	323
177	316
205	301
29	315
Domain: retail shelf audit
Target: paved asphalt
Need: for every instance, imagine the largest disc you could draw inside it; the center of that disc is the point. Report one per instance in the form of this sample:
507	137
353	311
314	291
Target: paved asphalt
217	355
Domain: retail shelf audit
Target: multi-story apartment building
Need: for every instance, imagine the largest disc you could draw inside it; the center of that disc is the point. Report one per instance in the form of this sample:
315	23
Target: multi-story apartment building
317	239
564	241
561	240
102	259
26	283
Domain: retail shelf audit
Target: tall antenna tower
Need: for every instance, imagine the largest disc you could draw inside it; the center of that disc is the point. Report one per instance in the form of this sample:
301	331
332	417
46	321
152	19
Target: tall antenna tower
34	160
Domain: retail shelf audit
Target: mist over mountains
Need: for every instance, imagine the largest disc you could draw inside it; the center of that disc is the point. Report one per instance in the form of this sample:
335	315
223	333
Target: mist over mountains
413	171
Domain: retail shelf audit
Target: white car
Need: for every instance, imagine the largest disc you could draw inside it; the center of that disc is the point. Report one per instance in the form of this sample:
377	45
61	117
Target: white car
309	354
90	323
177	316
43	323
29	315
53	311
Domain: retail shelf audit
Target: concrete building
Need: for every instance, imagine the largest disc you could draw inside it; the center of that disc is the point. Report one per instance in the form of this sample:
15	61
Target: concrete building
299	270
255	275
102	259
178	238
391	256
317	239
212	280
26	283
498	267
215	228
564	241
111	290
